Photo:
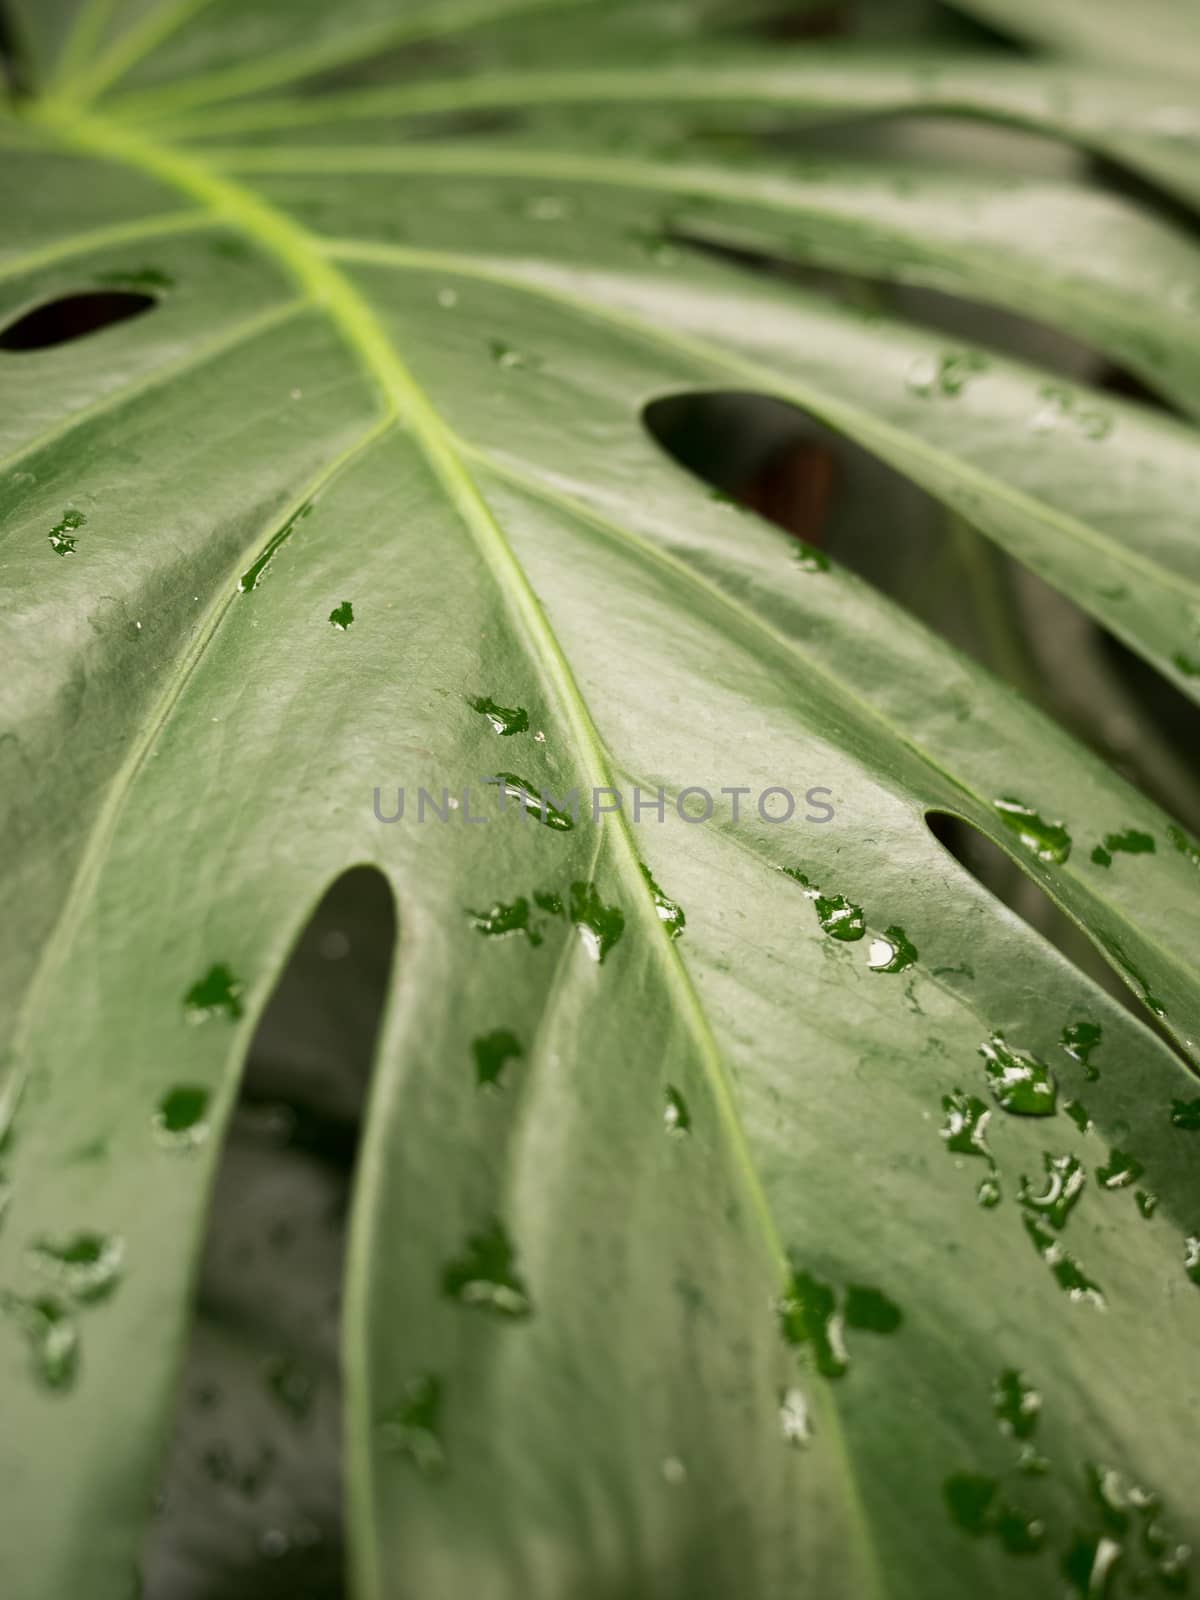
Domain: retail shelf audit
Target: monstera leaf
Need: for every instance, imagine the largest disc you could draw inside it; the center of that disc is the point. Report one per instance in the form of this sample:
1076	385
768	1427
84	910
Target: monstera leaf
745	1207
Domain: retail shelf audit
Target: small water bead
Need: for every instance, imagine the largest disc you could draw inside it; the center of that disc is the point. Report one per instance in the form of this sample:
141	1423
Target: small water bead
1077	1112
1147	1203
1063	1186
1079	1039
1061	405
674	1472
794	1421
291	1385
600	926
484	1276
413	1428
810	1317
989	1193
1049	841
217	993
342	616
88	1266
892	953
977	1507
447	298
871	1309
676	1117
504	355
1130	842
506	720
255	573
1191	1257
1020	1083
1017	1404
502	919
1120	1170
1186	1114
946	375
966	1125
52	1335
1067	1273
492	1052
669	913
533	802
809	559
63	535
839	917
181	1118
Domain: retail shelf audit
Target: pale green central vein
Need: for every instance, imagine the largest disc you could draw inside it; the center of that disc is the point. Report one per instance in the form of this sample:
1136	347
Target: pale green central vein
324	282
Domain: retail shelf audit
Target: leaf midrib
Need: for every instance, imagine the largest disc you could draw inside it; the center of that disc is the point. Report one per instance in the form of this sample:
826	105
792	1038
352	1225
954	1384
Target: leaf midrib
407	405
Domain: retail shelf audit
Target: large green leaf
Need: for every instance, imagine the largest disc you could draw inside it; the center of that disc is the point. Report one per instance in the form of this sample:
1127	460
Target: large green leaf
713	1296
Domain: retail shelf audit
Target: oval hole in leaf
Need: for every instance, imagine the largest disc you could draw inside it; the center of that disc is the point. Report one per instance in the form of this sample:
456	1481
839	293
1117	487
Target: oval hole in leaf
251	1493
73	316
771	457
1005	877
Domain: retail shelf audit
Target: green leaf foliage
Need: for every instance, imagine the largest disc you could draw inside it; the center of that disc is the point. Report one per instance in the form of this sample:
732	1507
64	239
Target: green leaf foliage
743	1209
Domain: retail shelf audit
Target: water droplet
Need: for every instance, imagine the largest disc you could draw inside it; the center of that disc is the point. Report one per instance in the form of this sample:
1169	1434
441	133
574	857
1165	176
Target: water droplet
534	803
447	298
254	574
988	1194
1186	1114
414	1427
506	720
871	1309
52	1335
1077	1112
62	535
1191	1257
1188	665
273	1543
669	914
808	1315
1063	1186
485	1276
1068	1274
87	1265
342	616
1017	1404
1049	841
794	1421
181	1117
976	1506
502	920
839	918
599	926
492	1054
809	559
549	901
947	375
1147	1203
1079	1039
1120	1170
891	953
504	355
676	1118
1019	1082
674	1471
217	993
291	1385
965	1128
1130	842
1089	1566
1060	405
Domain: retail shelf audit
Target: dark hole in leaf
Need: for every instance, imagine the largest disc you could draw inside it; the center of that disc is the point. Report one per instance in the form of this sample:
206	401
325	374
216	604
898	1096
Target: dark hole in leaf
769	456
73	316
1003	876
251	1501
